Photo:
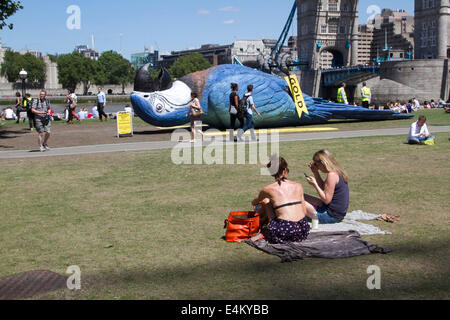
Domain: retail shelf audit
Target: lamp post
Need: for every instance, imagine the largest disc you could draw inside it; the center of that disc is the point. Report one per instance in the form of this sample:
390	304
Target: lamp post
23	75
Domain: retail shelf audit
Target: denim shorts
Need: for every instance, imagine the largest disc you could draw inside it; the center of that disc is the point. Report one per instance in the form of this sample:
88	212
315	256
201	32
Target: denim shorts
324	216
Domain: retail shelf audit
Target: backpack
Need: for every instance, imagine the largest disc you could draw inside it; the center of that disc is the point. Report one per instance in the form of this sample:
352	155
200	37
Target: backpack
242	107
29	104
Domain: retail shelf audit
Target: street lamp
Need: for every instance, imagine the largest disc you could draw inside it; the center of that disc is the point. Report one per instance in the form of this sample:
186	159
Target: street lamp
23	75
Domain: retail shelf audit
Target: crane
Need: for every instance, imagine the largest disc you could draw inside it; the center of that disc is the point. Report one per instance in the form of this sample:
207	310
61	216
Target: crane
276	60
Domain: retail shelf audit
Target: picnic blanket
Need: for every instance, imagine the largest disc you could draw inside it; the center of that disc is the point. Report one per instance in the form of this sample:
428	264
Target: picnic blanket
330	245
350	223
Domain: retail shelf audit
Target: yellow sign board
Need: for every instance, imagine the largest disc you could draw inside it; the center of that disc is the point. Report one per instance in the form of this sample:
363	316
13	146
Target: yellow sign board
124	124
297	94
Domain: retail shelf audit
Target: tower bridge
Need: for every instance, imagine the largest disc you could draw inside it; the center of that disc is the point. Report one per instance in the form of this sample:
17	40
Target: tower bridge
328	48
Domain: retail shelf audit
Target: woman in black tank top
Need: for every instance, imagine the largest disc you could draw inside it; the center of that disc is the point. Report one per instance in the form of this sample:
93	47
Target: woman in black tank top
234	103
333	201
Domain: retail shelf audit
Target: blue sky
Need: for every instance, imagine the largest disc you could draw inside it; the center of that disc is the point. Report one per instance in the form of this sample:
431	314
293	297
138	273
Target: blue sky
165	25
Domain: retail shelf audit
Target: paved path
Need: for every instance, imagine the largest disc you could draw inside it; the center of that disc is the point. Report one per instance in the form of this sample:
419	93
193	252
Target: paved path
159	145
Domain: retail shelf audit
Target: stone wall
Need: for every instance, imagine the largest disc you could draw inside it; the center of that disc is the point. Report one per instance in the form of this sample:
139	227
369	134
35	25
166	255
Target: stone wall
403	80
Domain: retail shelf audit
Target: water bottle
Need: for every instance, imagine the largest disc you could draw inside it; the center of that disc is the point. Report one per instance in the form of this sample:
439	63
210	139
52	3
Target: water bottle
315	221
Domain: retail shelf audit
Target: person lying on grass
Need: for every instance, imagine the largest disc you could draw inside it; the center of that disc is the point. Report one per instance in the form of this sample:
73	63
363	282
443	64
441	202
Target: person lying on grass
332	204
281	207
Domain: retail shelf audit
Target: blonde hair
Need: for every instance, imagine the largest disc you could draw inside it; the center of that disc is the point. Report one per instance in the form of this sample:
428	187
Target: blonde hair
326	158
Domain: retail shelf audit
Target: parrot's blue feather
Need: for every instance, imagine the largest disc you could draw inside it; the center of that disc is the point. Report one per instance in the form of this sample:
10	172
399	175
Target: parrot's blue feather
272	98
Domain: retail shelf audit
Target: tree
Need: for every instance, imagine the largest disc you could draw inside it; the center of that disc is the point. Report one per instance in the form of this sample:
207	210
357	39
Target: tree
7	9
14	62
117	70
74	68
188	64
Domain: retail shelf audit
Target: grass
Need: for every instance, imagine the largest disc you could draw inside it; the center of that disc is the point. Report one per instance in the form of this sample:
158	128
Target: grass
165	223
81	100
435	117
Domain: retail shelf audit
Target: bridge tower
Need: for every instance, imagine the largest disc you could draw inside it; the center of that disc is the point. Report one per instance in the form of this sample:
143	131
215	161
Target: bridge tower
328	33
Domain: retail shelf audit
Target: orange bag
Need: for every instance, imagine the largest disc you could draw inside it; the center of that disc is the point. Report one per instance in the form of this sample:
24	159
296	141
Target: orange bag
241	225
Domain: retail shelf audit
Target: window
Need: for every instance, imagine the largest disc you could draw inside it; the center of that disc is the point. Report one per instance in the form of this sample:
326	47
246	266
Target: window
423	43
333	6
332	28
320	6
342	29
323	28
424	4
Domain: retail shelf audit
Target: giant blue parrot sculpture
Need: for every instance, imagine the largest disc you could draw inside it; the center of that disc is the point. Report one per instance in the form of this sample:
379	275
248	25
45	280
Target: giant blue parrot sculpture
165	103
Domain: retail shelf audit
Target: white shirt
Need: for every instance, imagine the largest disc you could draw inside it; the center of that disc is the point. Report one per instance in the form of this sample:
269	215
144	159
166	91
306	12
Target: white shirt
74	97
417	104
250	102
83	114
415	131
95	112
9	114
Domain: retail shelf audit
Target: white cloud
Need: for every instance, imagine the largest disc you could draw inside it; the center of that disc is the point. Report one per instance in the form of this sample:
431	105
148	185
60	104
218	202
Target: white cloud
229	9
228	22
203	11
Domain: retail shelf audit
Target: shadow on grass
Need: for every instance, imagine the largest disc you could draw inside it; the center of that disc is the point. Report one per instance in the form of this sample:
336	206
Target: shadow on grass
156	132
304	279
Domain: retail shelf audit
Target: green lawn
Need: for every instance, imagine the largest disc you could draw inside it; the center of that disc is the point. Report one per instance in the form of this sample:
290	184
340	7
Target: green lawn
435	117
165	223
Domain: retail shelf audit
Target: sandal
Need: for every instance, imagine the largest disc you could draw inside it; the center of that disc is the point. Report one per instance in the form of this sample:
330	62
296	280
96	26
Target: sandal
388	218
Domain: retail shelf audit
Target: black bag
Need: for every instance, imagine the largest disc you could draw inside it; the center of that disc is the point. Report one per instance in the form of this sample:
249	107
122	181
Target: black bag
46	120
242	107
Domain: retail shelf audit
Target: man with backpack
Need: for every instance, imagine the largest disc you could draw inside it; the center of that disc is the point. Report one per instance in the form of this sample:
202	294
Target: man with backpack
41	110
248	105
27	104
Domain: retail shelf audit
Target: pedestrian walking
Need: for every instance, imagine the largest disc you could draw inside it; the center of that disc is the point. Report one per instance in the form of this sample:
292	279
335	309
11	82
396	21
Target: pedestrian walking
101	103
195	113
18	106
27	104
234	105
41	109
250	104
72	105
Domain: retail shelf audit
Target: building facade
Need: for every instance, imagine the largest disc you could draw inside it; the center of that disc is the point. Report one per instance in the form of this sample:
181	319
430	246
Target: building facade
432	29
251	53
148	56
327	33
87	52
393	36
365	47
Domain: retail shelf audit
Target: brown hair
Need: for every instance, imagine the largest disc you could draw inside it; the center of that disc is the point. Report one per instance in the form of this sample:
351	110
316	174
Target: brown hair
282	164
327	159
17	94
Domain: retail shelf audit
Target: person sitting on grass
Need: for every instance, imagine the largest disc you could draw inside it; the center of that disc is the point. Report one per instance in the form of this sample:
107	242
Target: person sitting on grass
281	206
334	194
418	133
9	114
409	107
